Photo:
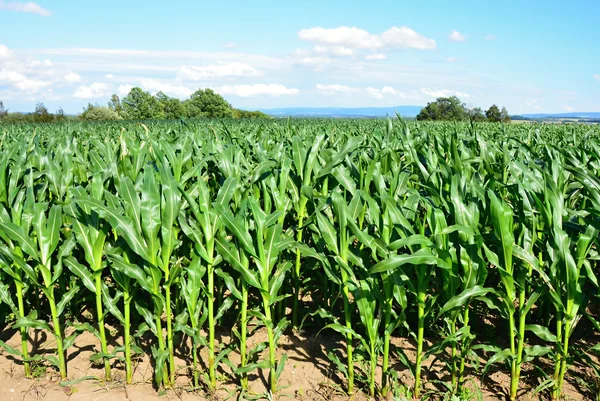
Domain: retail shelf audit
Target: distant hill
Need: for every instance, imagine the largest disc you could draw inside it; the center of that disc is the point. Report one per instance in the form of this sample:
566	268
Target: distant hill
564	115
404	111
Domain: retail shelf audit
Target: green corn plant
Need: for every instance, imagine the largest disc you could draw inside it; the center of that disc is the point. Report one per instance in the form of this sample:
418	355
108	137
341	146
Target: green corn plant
264	243
471	268
201	224
17	275
304	160
306	174
239	259
91	237
193	292
148	227
122	271
44	254
333	229
520	291
569	270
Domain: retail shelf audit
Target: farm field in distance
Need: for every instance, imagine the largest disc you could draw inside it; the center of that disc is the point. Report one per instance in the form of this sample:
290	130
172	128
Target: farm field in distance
308	259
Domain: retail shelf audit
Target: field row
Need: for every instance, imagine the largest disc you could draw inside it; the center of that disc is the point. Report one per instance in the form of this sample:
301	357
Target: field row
477	241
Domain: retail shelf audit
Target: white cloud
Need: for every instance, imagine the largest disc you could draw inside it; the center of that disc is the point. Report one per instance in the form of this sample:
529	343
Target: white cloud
21	82
342	51
405	37
230	45
118	61
335	50
307	58
356	38
72	77
42	63
456	36
597	77
380	93
194	73
109	76
451	59
376	56
336	89
123	90
566	107
5	52
93	91
490	37
444	93
28	7
533	104
257	90
153	85
343	36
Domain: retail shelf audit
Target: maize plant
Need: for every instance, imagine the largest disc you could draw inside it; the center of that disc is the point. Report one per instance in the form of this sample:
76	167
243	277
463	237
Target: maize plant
372	230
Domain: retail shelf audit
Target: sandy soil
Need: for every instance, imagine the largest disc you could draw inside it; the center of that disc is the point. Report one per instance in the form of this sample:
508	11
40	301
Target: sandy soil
308	375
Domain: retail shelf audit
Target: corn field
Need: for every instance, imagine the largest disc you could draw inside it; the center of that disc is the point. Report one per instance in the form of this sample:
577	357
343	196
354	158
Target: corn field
478	243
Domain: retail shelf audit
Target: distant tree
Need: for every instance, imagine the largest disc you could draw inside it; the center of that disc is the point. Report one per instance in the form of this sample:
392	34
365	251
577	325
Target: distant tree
207	103
504	116
444	108
99	113
41	113
237	113
115	104
172	107
60	115
493	114
140	105
3	111
476	114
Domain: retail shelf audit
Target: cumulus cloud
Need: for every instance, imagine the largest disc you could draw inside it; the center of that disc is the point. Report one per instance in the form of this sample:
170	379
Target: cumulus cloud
316	60
153	85
356	38
28	7
22	74
72	77
335	50
444	93
490	37
533	104
5	52
336	89
380	93
21	82
109	76
257	90
597	77
376	56
197	73
93	91
456	36
123	90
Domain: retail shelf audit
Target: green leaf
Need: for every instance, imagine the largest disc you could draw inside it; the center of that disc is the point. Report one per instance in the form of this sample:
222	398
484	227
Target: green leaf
421	257
542	332
82	272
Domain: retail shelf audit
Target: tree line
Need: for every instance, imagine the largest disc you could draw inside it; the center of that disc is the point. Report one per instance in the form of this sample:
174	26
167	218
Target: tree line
41	114
453	109
140	105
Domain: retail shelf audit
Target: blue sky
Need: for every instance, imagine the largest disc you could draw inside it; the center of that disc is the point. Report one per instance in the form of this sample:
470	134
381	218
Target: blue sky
534	56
